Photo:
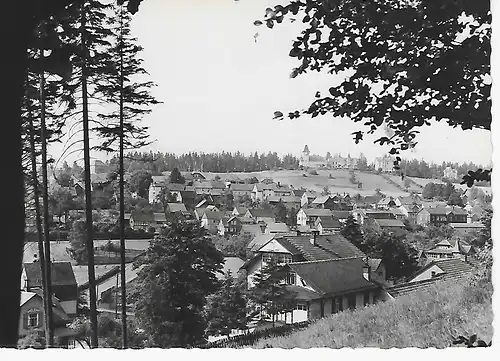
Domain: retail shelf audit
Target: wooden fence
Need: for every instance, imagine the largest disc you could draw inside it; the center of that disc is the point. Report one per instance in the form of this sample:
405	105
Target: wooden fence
250	339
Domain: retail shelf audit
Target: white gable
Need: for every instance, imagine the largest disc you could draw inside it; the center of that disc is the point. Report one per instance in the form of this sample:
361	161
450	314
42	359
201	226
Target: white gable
426	274
274	247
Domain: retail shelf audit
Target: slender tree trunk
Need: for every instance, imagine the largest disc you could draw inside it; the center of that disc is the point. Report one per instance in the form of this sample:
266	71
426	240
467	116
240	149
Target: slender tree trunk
122	197
88	191
41	252
46	227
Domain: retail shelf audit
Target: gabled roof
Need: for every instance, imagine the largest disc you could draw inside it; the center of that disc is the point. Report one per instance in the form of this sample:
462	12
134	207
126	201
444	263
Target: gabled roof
298	192
175	187
259	241
277	227
314	212
176	207
396	211
328	222
215	215
241	210
374	263
264	213
241	187
263	186
452	267
254	229
26	296
321	200
159	179
334	276
61	274
160	217
142	217
327	247
310	194
386	201
283	199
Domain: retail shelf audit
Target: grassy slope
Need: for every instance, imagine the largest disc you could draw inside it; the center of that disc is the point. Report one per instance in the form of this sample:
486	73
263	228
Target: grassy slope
425	319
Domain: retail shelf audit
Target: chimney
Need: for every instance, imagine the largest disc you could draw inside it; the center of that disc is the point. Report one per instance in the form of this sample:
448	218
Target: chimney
314	234
367	270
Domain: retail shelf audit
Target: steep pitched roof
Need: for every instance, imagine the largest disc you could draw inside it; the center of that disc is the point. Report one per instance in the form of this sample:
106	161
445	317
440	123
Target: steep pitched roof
176	207
334	276
374	263
264	213
259	241
313	212
160	217
298	192
61	274
327	247
253	229
277	227
215	215
142	217
328	222
241	210
321	200
175	187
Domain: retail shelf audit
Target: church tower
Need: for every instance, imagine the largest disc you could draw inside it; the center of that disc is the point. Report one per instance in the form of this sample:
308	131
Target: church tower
305	158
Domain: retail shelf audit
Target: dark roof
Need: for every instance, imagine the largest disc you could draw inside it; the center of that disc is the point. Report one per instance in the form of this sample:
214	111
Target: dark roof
317	212
329	222
298	192
216	215
278	227
407	288
218	184
259	241
241	210
374	263
327	247
334	276
188	194
175	187
306	149
61	274
261	213
142	217
176	207
452	267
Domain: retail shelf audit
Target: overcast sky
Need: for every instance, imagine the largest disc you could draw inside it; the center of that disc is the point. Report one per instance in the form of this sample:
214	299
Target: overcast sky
220	88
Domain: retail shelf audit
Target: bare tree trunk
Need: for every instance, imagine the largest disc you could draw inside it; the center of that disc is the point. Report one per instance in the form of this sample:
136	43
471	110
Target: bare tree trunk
41	252
88	191
122	196
16	30
46	227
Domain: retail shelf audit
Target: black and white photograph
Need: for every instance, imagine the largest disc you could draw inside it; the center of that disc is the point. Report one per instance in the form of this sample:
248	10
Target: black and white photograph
247	174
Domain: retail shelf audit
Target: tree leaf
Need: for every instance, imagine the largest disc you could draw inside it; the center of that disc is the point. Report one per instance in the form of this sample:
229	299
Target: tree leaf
257	23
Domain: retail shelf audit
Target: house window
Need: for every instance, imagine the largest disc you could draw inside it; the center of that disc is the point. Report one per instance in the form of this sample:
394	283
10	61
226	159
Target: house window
337	304
290	279
366	298
433	274
33	319
301	307
351	301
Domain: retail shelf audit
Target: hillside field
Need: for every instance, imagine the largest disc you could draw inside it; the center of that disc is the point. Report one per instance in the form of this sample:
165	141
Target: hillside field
431	318
339	183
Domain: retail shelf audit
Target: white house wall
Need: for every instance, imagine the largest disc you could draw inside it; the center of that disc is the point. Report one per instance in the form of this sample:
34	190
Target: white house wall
427	274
